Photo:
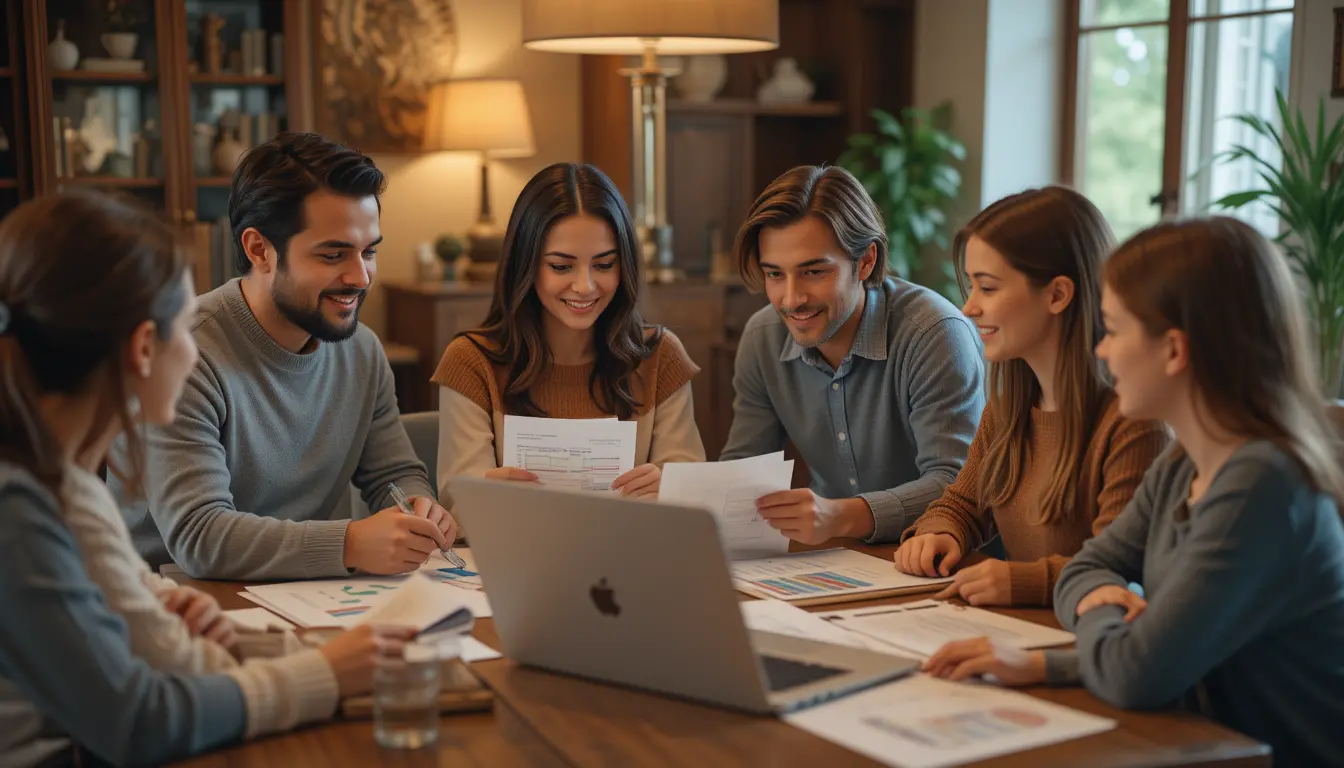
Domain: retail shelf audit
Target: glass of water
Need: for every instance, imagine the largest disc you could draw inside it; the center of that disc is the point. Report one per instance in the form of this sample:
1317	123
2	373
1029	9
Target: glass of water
406	696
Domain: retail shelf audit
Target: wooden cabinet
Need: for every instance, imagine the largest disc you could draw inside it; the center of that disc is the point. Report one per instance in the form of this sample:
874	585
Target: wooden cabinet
705	316
198	82
721	154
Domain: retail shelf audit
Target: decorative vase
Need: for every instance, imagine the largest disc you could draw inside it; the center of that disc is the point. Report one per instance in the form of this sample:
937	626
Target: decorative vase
120	45
228	153
702	78
788	85
61	53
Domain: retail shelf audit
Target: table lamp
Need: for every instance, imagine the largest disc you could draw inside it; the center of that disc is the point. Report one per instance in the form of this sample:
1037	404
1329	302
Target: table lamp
648	28
488	116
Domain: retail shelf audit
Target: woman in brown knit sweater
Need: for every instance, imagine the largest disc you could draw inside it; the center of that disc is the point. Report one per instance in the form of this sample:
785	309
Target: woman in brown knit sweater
564	338
1053	462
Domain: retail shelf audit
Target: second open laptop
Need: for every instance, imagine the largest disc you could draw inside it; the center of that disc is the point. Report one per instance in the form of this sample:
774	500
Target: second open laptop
640	594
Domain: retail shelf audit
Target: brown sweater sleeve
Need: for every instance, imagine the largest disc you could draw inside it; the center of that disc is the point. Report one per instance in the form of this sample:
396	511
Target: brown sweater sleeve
958	512
465	370
675	367
1132	447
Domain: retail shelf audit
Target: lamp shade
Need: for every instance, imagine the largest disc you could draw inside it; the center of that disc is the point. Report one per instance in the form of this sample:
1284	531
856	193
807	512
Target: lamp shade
680	27
484	115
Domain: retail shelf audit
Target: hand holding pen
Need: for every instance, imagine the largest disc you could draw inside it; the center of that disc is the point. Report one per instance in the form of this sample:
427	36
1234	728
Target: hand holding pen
405	505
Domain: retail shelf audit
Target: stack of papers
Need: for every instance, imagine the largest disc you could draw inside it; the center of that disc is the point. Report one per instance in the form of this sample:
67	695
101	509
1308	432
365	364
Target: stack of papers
827	576
925	722
576	454
729	490
924	626
343	603
784	619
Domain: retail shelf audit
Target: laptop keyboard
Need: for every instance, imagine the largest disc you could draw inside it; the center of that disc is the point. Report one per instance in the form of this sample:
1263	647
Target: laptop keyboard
783	674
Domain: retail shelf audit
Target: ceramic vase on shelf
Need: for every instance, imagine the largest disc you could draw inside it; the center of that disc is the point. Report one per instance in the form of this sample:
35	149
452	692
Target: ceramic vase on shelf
61	53
228	153
120	45
702	77
788	85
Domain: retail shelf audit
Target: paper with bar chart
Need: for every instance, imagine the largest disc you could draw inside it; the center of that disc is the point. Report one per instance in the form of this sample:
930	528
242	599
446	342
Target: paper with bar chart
439	569
729	490
575	454
330	603
344	602
828	576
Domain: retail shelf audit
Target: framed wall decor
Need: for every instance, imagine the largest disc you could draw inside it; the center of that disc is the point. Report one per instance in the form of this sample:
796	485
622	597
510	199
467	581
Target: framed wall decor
375	60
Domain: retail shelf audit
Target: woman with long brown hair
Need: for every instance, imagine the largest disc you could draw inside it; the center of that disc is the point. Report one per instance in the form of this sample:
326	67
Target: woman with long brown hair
1054	461
1235	534
564	338
96	312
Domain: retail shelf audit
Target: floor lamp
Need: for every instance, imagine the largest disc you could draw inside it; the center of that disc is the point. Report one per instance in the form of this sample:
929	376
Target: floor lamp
649	28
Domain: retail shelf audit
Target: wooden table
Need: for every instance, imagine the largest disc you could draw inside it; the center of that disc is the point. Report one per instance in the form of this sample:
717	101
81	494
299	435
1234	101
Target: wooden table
545	719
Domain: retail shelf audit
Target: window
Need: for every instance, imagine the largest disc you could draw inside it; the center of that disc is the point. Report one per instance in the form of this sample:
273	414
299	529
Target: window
1149	96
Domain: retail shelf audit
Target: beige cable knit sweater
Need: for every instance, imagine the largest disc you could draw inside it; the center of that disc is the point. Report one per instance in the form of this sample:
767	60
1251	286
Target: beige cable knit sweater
296	686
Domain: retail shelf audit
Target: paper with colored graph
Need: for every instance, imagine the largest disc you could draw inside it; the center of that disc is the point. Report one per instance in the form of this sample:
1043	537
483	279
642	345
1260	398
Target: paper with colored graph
576	454
729	490
827	576
925	722
439	569
343	602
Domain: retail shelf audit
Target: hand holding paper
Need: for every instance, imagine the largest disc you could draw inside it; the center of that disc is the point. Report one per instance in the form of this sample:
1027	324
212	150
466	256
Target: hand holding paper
729	490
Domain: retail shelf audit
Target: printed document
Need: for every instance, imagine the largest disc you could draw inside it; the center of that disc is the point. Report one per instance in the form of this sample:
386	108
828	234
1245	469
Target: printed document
729	490
923	627
784	619
925	722
827	576
577	454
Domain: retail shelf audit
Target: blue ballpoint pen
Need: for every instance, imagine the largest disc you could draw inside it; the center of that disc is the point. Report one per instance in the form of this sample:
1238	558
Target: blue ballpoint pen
405	504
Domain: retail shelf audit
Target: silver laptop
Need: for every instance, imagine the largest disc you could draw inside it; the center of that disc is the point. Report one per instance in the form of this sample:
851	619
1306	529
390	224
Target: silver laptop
639	593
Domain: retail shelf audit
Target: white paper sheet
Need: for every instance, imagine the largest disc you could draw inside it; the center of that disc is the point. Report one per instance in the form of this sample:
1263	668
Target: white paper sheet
419	602
831	574
925	722
922	627
342	602
578	454
439	569
729	490
475	650
257	620
784	619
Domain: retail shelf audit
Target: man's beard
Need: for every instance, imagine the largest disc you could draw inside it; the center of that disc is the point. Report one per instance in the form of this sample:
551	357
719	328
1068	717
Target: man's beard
311	319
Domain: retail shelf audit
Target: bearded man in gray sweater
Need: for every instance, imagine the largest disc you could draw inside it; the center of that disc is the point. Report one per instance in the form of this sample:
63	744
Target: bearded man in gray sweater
292	399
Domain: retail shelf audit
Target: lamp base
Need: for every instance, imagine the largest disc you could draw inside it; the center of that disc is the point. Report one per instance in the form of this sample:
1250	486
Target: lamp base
655	246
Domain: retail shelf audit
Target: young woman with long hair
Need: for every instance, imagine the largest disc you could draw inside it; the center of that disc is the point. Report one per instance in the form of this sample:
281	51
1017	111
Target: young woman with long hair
564	338
1054	461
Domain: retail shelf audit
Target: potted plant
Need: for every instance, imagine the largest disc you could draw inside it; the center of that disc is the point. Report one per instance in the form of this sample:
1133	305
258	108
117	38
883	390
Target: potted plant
1308	196
909	168
449	249
120	38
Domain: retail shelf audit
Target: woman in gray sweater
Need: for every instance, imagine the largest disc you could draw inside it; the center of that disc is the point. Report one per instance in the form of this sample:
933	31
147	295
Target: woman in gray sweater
1234	535
95	335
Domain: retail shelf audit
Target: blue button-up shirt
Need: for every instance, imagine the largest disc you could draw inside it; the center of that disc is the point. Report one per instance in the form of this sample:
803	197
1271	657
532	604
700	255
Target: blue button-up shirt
891	424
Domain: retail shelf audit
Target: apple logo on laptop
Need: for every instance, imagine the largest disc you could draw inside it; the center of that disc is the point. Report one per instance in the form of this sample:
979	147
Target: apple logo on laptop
604	598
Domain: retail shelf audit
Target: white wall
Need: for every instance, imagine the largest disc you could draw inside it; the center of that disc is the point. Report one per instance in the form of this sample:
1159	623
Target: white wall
950	54
1023	67
437	193
1313	51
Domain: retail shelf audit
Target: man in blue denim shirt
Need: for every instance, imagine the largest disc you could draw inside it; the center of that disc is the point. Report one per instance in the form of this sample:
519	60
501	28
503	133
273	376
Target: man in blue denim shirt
878	382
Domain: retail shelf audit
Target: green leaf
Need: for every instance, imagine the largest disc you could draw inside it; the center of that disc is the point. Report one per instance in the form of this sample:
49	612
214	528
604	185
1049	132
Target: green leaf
1239	199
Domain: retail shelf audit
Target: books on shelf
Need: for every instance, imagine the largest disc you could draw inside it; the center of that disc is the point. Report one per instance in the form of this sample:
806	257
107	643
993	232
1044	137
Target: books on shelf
121	66
214	263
